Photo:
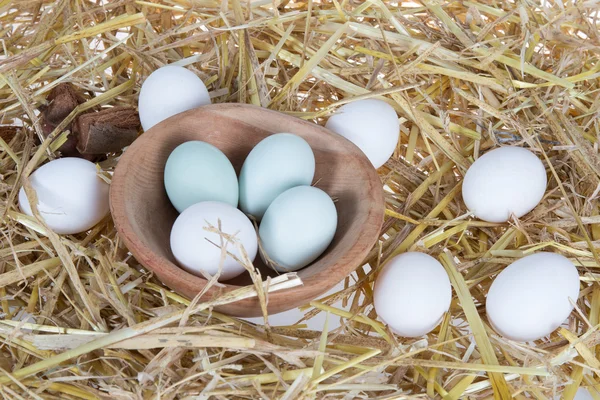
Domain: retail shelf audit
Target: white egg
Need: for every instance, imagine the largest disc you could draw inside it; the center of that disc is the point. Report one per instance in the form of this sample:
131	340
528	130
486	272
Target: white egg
168	91
71	196
298	227
504	181
276	164
196	249
411	294
532	296
581	394
370	124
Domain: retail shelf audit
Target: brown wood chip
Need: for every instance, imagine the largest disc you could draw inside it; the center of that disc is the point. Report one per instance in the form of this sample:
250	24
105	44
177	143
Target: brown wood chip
106	131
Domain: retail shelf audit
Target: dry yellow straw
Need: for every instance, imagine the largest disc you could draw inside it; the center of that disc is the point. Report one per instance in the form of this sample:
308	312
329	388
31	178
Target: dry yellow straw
82	318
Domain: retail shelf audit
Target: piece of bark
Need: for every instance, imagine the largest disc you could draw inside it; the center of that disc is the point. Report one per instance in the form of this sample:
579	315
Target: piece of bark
8	132
106	131
62	100
92	133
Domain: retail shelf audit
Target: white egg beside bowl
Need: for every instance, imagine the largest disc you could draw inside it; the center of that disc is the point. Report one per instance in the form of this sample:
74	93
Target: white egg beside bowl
412	293
170	90
503	182
532	297
71	196
371	124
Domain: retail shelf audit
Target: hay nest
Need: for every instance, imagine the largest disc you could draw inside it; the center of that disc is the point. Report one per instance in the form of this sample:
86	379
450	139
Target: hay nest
83	320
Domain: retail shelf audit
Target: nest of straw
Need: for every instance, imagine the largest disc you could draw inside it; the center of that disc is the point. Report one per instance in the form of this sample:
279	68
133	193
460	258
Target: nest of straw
82	320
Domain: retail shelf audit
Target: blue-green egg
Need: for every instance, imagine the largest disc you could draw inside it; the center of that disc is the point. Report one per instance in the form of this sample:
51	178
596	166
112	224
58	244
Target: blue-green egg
276	164
197	171
298	227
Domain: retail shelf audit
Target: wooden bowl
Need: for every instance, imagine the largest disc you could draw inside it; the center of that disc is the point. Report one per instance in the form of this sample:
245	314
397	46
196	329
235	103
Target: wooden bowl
144	216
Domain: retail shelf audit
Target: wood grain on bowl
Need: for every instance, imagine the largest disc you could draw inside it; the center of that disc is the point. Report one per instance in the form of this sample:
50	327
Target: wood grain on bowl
143	214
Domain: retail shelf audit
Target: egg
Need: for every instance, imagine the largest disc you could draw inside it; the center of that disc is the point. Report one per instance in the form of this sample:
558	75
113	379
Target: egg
278	163
581	394
532	296
298	227
71	196
412	293
372	125
196	249
168	91
504	181
584	393
197	171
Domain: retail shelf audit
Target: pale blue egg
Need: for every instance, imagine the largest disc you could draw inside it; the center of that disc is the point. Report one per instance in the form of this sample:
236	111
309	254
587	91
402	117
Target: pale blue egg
298	227
276	164
197	171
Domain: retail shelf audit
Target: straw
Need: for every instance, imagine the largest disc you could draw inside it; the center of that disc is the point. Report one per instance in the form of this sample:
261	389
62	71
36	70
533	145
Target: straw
82	319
